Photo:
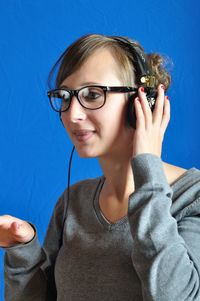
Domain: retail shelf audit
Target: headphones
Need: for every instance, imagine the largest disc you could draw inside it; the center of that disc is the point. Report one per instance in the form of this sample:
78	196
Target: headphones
144	78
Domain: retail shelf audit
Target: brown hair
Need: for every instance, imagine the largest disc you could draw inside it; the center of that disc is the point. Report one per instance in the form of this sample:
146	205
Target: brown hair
77	53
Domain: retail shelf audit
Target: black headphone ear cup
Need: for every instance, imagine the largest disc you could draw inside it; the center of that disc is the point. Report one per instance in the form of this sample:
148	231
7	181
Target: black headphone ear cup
131	116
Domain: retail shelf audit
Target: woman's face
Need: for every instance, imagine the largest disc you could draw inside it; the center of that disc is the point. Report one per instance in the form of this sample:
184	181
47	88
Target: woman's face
102	132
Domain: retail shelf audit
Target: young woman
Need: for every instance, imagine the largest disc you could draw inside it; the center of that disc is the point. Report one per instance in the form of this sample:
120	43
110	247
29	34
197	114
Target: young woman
133	234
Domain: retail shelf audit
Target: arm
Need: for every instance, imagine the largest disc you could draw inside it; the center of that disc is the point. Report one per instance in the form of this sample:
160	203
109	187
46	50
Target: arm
29	269
166	255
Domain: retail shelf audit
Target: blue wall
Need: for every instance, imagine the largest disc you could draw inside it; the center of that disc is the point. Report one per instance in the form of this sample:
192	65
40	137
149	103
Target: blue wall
35	149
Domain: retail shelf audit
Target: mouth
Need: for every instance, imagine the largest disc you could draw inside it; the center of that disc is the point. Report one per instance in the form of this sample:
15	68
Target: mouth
83	135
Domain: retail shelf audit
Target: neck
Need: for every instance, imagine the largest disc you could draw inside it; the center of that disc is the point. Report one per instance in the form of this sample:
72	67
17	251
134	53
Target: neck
119	181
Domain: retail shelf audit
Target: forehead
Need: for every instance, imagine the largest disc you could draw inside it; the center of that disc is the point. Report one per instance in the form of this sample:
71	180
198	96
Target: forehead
101	56
100	67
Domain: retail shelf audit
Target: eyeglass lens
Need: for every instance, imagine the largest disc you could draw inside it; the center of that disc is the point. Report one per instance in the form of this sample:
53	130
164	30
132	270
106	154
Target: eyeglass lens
89	97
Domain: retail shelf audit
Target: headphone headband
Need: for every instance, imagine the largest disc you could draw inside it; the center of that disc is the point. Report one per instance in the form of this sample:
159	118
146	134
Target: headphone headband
144	77
139	61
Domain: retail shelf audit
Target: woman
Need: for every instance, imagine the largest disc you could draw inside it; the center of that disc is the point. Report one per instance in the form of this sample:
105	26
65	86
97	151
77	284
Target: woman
132	234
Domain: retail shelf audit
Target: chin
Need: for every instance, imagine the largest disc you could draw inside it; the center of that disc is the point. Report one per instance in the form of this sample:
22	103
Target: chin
86	153
81	155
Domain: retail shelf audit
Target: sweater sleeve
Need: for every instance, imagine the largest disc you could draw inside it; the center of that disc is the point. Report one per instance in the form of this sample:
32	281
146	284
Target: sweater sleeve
29	268
166	253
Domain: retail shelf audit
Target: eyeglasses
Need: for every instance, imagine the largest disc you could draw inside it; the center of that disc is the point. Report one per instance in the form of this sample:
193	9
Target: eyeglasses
90	97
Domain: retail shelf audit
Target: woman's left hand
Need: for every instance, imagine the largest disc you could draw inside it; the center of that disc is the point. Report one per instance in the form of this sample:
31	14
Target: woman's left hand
150	126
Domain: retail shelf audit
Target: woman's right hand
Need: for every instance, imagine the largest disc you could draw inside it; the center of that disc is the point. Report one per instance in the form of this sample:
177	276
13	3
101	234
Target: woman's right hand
14	231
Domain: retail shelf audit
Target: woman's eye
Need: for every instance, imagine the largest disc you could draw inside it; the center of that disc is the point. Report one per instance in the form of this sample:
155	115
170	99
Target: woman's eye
92	95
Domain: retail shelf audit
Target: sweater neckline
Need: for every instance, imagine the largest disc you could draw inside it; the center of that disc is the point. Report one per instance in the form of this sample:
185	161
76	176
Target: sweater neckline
120	224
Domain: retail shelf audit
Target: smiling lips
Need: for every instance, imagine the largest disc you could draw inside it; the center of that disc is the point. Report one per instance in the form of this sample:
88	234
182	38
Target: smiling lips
83	135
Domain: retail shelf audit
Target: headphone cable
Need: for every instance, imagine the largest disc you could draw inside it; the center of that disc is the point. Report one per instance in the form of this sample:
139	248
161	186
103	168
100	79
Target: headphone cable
68	192
69	176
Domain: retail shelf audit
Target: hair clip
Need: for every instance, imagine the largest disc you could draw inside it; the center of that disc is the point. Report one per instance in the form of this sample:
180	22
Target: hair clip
148	80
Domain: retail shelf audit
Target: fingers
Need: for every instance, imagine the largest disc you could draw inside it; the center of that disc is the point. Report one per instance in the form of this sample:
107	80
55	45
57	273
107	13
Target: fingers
140	120
166	115
150	126
23	231
14	231
161	114
145	107
158	110
15	228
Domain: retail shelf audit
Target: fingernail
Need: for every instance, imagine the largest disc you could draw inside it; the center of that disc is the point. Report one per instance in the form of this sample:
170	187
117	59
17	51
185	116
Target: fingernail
142	89
163	87
167	97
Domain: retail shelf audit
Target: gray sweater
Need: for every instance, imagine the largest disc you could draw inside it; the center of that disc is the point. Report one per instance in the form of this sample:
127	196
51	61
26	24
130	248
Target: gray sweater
151	254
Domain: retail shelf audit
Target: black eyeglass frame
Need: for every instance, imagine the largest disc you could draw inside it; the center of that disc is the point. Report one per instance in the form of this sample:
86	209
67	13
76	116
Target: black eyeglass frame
116	89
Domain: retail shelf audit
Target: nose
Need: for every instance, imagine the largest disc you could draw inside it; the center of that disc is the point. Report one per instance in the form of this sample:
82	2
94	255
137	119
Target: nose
75	112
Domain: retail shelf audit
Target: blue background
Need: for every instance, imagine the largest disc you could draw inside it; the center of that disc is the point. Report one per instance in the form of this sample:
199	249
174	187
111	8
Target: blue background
35	149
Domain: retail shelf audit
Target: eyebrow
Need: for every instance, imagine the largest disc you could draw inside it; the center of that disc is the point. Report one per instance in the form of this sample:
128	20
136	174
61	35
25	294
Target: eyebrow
83	85
91	83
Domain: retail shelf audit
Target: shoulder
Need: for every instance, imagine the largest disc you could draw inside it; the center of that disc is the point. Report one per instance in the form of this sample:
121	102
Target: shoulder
185	184
173	172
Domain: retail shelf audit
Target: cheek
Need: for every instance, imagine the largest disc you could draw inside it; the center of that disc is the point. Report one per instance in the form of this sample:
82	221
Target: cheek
117	115
113	121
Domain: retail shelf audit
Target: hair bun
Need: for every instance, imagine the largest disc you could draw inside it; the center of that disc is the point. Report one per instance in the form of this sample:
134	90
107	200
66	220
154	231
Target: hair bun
158	67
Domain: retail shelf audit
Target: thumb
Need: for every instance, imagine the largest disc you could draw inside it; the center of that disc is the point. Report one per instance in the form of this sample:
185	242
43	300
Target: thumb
22	231
15	228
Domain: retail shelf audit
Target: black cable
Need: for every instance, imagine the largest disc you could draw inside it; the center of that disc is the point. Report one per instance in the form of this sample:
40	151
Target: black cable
68	194
66	205
69	174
